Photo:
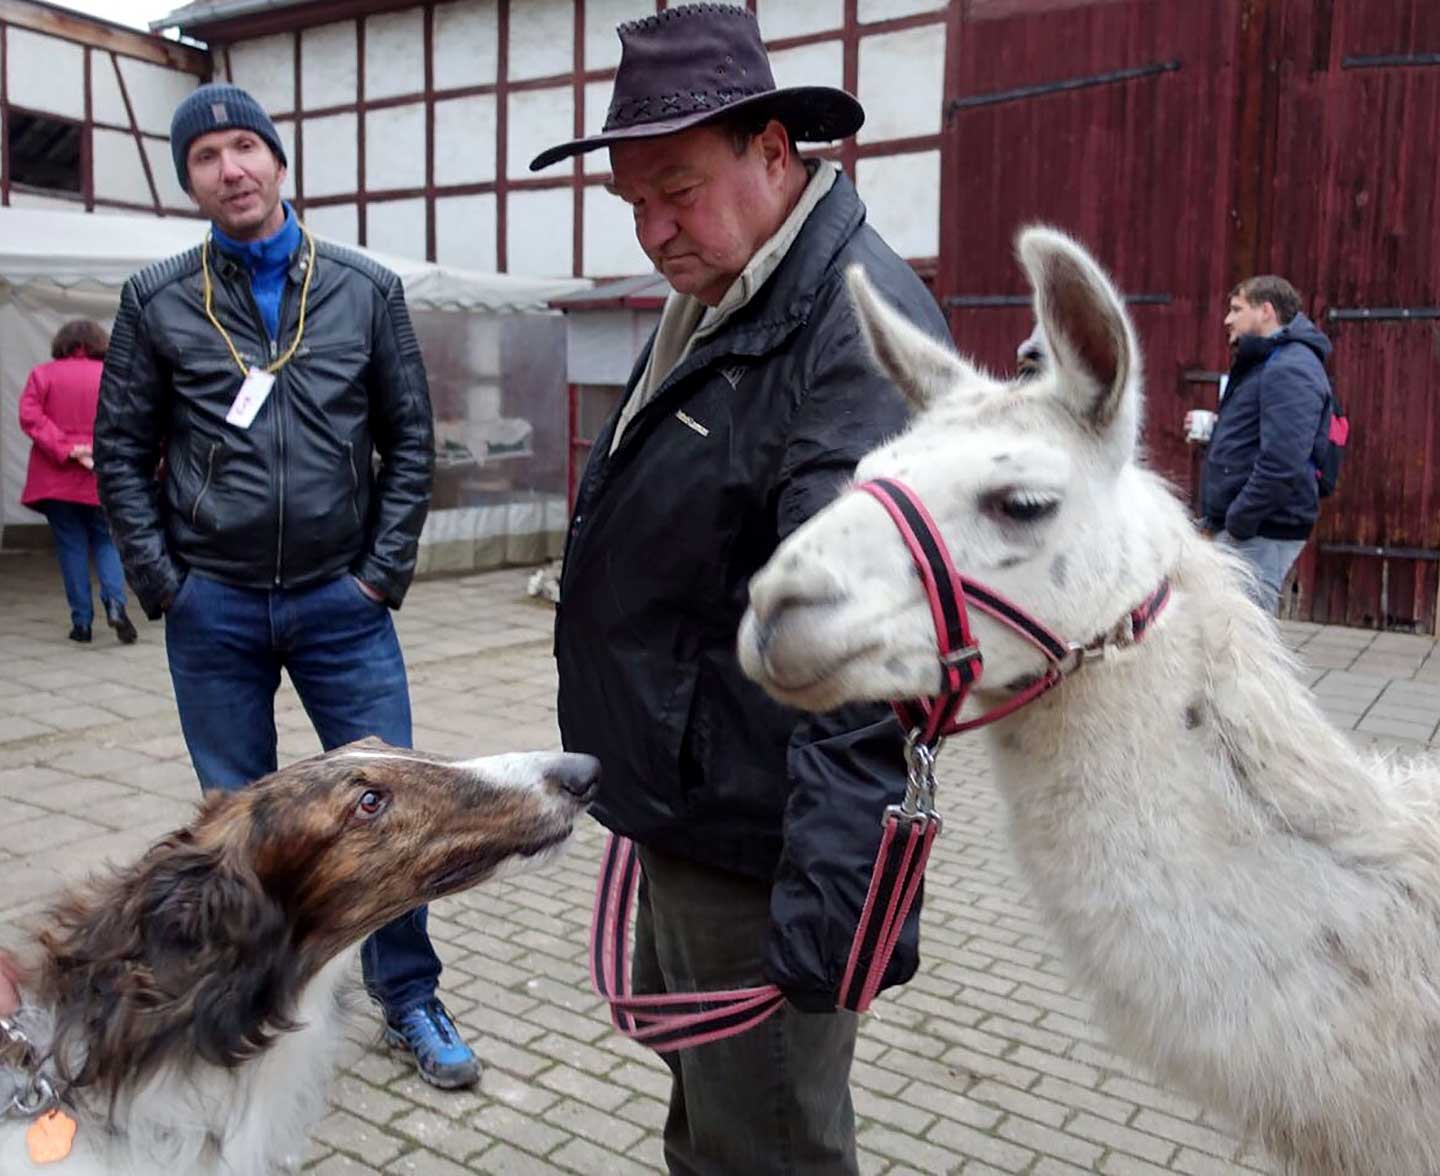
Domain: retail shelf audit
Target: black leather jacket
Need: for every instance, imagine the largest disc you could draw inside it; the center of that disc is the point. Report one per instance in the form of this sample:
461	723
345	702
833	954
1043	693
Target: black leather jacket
752	433
295	498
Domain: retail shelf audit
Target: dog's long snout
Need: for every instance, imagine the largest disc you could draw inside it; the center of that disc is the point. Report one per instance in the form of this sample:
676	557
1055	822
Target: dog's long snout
579	775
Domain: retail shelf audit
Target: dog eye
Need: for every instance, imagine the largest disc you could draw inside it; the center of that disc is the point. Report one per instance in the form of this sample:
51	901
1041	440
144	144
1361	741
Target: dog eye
370	805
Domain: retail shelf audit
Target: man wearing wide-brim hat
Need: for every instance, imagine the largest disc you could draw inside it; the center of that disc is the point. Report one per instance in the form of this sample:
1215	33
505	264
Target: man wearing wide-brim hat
745	414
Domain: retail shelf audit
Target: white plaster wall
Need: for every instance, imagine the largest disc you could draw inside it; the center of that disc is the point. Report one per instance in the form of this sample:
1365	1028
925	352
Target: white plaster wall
167	183
597	105
330	155
154	91
465	232
610	247
794	18
539	237
117	169
335	222
902	196
465	140
45	73
871	10
538	119
394	54
396	226
602	46
542	38
266	67
822	64
395	147
105	100
285	128
465	44
896	111
30	200
329	69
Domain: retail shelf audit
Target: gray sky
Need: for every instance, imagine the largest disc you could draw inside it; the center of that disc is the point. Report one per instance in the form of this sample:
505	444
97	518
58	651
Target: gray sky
137	13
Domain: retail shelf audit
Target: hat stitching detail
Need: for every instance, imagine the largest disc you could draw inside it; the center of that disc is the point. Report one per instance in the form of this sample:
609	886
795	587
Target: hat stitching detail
647	23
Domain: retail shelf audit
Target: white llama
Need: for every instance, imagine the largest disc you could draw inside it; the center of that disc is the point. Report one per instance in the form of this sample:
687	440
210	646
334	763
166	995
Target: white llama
1254	905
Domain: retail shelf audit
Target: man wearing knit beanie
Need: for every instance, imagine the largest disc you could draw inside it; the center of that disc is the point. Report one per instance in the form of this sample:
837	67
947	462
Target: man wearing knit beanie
272	371
218	107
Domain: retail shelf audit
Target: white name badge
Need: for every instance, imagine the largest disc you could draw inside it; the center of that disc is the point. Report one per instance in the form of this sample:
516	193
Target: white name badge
252	395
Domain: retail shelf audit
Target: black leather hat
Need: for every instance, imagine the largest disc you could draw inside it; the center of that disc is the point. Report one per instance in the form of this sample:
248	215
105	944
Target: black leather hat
688	65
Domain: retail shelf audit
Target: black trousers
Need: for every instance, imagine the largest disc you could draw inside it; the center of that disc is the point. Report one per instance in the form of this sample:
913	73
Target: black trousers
772	1101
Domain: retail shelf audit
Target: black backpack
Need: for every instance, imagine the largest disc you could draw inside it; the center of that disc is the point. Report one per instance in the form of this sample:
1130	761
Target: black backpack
1327	465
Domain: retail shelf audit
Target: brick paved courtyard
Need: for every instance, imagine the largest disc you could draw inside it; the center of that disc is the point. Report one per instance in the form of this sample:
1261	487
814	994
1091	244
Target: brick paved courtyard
985	1063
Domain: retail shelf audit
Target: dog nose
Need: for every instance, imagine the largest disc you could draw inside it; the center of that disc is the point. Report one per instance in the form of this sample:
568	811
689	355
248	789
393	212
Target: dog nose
579	775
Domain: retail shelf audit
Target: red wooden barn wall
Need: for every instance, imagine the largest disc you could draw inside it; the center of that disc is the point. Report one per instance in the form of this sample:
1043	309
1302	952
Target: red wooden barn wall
1192	143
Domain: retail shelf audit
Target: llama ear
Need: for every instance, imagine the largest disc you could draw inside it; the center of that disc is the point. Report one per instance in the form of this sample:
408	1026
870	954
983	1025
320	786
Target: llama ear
1081	317
921	368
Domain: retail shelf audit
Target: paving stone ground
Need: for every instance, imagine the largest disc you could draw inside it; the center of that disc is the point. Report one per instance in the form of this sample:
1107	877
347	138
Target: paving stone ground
986	1063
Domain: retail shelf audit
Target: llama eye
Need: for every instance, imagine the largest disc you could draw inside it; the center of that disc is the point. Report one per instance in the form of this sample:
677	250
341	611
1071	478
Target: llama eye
1020	506
370	804
1028	510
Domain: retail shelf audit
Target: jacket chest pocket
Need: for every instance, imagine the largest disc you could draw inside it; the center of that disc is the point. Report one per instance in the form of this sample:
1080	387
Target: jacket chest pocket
329	365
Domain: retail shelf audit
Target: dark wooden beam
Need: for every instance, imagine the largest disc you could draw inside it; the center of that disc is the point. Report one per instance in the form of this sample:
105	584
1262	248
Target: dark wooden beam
103	34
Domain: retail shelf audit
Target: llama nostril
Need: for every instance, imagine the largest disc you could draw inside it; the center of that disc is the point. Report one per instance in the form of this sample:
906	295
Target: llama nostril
579	775
764	631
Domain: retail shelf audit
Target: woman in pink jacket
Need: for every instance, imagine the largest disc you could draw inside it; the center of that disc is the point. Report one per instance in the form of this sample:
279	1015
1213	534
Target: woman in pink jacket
57	411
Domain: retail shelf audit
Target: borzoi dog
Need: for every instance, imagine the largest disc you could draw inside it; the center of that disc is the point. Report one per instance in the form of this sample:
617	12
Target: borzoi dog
185	1009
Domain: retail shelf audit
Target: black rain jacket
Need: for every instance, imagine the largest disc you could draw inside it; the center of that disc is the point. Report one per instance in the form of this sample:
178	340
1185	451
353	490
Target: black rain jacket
751	434
294	499
1272	429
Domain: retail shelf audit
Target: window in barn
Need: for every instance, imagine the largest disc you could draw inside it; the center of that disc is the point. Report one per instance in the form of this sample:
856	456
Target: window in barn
44	152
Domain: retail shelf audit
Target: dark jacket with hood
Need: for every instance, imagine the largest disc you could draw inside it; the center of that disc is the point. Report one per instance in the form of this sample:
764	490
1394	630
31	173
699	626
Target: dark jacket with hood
1271	430
750	434
293	499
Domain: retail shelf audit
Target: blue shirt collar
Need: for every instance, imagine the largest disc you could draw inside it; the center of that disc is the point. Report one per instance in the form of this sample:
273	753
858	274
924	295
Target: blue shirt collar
268	252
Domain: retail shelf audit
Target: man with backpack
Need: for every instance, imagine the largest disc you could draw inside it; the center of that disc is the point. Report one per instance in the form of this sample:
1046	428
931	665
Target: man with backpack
1262	481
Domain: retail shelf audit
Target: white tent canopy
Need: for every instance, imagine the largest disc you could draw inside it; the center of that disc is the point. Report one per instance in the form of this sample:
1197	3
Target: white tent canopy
57	265
73	250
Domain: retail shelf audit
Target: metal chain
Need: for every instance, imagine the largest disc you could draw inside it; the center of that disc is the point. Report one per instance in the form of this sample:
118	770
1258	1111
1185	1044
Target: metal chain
37	1095
919	802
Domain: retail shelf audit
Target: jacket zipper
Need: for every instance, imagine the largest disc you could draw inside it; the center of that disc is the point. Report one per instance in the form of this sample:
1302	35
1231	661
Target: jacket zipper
354	481
205	488
279	421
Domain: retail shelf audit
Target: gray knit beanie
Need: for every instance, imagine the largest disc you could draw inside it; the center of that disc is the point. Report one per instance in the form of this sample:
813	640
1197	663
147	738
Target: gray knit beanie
217	107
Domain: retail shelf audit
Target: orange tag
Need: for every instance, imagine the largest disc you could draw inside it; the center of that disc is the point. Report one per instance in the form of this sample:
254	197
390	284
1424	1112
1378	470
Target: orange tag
49	1137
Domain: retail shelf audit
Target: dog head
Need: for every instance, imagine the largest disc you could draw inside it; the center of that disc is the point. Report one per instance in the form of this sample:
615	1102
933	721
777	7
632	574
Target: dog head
201	949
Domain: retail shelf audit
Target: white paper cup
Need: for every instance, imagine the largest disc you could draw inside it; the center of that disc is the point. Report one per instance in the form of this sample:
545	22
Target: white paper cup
1199	424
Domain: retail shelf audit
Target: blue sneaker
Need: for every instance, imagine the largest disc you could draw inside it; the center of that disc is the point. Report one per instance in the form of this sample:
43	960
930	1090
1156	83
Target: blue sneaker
429	1034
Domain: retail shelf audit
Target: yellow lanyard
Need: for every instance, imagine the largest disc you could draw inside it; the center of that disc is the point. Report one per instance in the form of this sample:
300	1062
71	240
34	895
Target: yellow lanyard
224	334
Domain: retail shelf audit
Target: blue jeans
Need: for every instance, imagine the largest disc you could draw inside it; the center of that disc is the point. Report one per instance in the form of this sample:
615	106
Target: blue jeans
1270	561
227	646
80	534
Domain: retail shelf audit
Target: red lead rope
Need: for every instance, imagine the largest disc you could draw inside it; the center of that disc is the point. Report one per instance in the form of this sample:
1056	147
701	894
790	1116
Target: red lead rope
680	1020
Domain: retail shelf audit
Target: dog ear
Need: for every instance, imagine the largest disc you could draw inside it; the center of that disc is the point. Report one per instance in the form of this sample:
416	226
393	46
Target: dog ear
183	955
218	945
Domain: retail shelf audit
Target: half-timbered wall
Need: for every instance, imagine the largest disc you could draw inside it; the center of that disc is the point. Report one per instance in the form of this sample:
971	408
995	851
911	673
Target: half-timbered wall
116	87
412	130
